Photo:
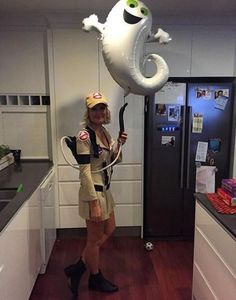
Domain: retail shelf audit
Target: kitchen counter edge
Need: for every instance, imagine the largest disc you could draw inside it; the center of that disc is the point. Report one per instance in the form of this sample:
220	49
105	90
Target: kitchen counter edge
28	173
228	222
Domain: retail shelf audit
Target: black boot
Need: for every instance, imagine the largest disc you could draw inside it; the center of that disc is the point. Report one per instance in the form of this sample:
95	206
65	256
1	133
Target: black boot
74	273
98	283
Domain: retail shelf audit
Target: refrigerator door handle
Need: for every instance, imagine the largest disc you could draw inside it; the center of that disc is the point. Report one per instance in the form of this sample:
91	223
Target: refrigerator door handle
189	125
183	113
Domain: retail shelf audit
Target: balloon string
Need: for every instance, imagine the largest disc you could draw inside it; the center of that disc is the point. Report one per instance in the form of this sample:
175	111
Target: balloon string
99	65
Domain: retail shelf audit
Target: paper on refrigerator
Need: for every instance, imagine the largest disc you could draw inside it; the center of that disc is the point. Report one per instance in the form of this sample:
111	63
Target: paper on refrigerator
205	179
197	123
201	153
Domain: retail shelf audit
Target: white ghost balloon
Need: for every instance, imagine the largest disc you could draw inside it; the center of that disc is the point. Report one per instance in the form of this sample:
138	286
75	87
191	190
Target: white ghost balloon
127	28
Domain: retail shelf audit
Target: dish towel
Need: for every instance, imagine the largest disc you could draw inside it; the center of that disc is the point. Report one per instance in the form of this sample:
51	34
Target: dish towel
220	205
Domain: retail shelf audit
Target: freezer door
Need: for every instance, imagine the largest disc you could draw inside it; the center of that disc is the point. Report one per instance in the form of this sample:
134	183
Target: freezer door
163	195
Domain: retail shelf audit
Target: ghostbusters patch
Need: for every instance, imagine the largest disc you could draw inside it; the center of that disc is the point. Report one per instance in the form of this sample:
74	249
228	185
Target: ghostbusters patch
97	95
83	135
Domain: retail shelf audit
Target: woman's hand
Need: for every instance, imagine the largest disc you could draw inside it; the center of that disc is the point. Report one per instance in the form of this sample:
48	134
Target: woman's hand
122	137
95	211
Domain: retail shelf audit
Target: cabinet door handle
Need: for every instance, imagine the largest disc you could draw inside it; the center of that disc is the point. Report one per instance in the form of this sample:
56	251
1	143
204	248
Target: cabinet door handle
189	109
50	186
2	267
182	126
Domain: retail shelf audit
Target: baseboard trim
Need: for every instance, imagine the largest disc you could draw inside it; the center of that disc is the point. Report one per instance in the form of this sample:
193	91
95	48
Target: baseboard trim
130	231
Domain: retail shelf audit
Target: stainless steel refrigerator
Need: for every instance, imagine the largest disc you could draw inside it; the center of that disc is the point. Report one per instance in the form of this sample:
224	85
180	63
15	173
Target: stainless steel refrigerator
179	119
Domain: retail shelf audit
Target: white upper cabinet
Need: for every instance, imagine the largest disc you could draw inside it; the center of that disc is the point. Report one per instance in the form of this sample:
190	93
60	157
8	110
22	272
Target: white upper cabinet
22	60
177	53
75	65
213	53
196	51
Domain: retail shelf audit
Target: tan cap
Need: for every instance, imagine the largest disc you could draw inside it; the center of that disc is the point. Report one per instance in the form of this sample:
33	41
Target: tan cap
94	99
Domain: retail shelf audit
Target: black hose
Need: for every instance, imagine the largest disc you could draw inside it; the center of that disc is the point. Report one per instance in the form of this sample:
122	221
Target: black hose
121	118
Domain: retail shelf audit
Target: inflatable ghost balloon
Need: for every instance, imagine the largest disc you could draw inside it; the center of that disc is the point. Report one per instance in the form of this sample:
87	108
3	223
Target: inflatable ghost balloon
127	28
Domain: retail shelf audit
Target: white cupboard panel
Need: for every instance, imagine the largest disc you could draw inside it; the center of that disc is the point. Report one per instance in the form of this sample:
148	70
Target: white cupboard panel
177	53
34	200
127	192
213	52
123	192
69	193
127	172
120	172
218	237
67	173
21	254
22	62
2	274
75	74
69	217
217	273
15	237
21	251
201	289
128	214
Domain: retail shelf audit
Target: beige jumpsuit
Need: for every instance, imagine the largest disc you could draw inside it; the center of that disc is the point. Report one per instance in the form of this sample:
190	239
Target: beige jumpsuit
95	185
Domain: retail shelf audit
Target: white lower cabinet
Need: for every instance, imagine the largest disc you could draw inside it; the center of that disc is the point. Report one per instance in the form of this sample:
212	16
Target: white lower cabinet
214	269
126	188
20	253
48	228
2	288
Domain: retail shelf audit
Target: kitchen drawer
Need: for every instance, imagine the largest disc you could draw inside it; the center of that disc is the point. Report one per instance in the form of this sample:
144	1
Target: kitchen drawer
217	236
69	193
67	173
126	215
121	172
219	277
201	288
69	217
124	192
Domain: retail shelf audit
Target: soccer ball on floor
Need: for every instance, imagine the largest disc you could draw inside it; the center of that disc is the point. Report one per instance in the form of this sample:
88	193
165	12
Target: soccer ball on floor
149	246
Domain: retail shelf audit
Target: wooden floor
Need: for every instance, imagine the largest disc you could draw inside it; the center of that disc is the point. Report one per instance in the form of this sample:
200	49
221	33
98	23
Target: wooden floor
165	273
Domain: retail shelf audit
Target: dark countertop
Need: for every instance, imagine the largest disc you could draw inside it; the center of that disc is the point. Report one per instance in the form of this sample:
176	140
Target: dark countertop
228	222
30	174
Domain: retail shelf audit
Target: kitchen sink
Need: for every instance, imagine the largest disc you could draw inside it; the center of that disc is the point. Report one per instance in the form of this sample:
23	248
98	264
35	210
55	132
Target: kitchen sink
7	194
3	203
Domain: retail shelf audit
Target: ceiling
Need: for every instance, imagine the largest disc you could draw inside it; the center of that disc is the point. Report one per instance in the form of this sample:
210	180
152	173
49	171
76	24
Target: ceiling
161	8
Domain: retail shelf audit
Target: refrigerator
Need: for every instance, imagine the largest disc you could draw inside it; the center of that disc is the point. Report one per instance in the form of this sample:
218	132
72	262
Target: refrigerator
188	128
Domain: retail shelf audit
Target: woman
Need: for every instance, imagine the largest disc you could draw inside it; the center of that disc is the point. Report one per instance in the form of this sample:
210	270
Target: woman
96	149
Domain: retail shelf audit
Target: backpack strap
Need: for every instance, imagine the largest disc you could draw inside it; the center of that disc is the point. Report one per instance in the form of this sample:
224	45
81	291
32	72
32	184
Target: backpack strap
93	140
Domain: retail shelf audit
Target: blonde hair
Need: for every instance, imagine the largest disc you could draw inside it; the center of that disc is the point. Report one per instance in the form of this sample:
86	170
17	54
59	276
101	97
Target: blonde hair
86	121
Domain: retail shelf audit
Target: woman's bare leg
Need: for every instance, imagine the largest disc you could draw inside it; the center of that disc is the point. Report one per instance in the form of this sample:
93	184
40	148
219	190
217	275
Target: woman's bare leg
97	234
90	256
109	227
